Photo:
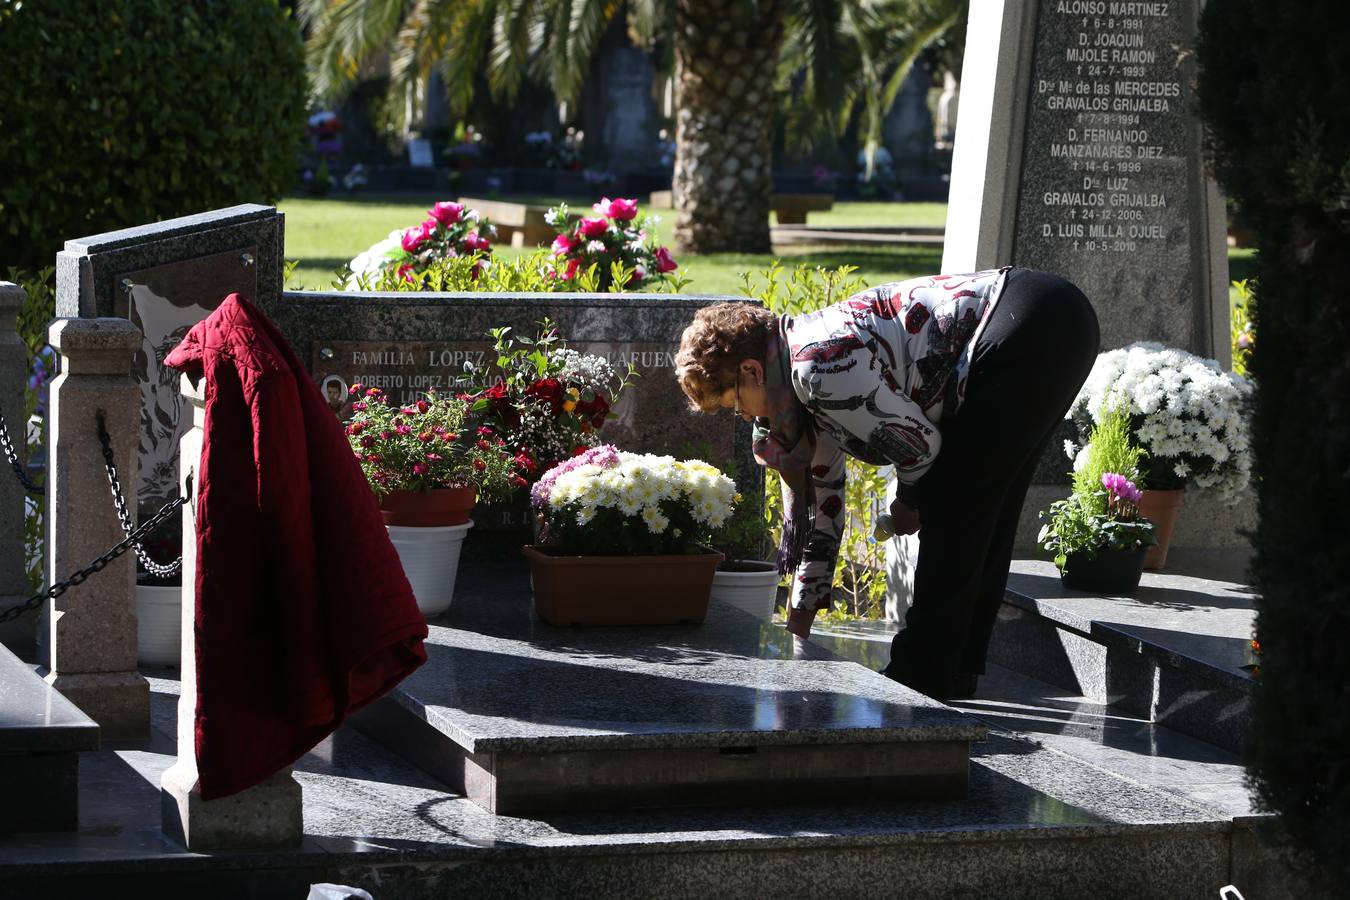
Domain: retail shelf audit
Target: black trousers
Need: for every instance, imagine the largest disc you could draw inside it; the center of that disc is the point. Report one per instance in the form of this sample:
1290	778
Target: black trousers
1027	367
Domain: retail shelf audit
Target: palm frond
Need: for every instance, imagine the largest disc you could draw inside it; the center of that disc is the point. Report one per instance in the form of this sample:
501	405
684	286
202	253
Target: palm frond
344	35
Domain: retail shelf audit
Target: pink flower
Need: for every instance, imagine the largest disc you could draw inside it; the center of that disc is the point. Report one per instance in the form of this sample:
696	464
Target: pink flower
405	272
479	465
563	245
636	278
415	237
594	228
404	429
1122	487
484	431
426	437
621	210
356	389
571	271
435	457
473	242
423	406
664	261
368	441
358	407
447	213
374	392
420	468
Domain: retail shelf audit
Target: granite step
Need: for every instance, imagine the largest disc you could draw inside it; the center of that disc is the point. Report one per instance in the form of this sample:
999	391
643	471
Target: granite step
521	716
1037	823
42	735
1172	652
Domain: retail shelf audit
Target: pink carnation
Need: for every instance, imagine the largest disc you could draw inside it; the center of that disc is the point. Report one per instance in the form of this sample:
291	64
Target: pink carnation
415	237
447	213
623	210
594	228
563	245
664	261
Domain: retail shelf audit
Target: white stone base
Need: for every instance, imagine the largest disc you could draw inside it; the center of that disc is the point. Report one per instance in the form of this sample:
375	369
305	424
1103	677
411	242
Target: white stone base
118	701
269	815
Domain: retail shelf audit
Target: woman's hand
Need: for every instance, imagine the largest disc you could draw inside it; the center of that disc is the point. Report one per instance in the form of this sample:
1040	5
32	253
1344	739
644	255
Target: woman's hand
904	518
799	621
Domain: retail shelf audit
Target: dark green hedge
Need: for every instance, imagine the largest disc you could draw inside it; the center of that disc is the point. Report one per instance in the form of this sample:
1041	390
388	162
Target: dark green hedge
1275	94
115	113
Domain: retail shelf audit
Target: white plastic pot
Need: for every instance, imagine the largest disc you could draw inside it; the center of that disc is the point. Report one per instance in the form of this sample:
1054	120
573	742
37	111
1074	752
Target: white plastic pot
753	592
430	558
159	624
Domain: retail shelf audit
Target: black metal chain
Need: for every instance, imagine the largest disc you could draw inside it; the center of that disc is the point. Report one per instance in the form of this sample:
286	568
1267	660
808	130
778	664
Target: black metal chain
78	577
13	458
156	569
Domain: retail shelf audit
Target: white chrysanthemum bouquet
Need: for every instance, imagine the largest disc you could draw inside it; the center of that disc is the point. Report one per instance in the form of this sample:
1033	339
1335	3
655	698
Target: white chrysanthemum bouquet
608	502
1186	412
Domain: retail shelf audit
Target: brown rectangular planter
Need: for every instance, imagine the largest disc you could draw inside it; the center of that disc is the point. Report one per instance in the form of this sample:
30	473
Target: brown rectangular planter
621	590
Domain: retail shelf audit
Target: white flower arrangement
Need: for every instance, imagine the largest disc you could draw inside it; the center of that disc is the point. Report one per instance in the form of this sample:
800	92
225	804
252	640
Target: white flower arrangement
608	501
1186	412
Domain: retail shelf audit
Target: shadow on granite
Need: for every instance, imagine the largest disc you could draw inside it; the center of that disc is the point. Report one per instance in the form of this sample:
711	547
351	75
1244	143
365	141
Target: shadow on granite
1148	595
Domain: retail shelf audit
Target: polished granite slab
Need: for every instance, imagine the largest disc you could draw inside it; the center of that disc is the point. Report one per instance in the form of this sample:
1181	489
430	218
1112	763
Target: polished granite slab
1199	610
41	737
498	679
1037	823
522	715
35	718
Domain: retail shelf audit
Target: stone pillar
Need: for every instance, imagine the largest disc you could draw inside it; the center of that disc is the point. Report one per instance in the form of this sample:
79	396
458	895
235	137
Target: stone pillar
18	635
267	815
90	630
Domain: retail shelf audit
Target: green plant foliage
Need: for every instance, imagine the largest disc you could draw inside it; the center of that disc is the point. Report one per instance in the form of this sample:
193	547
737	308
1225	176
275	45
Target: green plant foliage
38	310
120	112
1111	448
860	570
1242	331
1091	518
1275	111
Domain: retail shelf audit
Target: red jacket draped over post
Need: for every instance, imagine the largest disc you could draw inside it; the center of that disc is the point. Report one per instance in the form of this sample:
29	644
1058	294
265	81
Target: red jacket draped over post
303	612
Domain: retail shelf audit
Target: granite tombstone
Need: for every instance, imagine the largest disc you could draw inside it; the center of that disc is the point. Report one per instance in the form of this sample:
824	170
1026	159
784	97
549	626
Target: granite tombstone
1078	151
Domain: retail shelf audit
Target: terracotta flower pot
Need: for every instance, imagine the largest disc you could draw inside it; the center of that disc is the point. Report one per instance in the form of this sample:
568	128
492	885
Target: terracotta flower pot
621	590
436	508
1161	507
1109	571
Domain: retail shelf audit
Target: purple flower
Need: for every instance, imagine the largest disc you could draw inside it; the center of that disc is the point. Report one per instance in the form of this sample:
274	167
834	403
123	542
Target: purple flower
1122	487
606	456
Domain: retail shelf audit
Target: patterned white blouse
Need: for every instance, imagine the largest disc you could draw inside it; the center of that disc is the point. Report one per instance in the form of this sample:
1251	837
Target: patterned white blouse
876	373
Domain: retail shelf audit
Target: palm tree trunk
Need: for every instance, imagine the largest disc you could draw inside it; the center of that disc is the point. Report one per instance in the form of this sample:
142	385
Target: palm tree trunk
726	54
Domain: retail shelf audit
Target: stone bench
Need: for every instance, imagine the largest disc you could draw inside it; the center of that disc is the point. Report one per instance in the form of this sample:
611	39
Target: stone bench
521	716
790	209
518	224
41	736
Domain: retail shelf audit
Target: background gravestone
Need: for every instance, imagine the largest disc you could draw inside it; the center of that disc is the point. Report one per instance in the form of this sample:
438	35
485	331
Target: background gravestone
1078	152
165	278
409	343
168	276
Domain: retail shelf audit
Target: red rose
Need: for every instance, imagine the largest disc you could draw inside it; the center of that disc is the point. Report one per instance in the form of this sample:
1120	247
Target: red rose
547	389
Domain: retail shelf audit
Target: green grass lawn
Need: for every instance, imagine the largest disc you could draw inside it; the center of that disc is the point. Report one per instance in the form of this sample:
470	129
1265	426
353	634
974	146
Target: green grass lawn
324	234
